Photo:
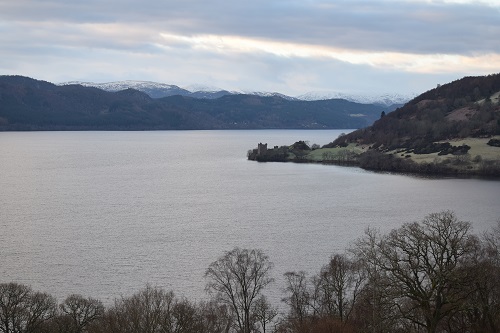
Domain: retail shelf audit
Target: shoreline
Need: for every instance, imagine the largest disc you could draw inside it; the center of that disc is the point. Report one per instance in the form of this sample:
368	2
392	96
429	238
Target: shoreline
456	166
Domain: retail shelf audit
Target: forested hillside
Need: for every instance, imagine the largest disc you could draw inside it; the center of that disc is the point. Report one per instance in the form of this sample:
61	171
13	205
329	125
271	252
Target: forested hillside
464	108
28	104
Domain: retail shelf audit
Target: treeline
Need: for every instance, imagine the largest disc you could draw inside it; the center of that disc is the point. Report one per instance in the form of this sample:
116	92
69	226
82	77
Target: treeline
428	276
471	88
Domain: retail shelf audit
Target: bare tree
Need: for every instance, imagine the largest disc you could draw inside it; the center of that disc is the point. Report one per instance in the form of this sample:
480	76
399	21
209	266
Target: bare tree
491	295
186	318
264	313
338	285
147	311
374	309
23	310
81	312
298	298
215	317
492	241
419	262
238	278
480	311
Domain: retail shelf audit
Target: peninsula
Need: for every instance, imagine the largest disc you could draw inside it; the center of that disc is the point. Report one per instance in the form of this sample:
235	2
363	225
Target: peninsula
453	129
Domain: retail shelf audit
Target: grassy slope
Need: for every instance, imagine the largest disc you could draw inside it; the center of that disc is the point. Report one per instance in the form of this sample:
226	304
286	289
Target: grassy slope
478	154
477	146
317	155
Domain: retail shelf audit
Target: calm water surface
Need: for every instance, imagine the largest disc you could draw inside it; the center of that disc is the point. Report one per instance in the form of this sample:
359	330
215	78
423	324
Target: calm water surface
104	213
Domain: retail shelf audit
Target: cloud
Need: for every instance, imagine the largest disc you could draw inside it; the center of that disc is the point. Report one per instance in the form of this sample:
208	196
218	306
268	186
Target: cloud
292	44
402	26
402	61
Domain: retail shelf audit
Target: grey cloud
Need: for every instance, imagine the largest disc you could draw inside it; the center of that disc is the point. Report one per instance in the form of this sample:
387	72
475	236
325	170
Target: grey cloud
51	40
416	27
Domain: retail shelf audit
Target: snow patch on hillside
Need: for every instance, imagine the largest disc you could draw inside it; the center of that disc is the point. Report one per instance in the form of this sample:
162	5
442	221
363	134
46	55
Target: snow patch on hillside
270	94
202	88
122	85
385	99
156	90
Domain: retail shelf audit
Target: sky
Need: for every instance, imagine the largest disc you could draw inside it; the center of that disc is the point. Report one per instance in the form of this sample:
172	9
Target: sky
286	46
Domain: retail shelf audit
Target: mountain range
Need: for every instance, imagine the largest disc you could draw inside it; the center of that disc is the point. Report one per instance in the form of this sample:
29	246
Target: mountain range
30	104
159	90
155	89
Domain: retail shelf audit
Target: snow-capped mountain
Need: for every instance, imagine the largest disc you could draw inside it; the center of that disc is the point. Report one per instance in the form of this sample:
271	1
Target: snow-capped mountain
122	85
153	89
202	87
199	88
159	90
270	94
386	99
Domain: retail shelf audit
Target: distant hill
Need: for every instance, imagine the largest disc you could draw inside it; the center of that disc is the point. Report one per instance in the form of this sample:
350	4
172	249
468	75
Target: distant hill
386	99
452	129
159	90
153	89
29	104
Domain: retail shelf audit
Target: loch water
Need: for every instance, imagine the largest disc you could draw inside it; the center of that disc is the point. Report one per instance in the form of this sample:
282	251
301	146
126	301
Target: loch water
104	213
